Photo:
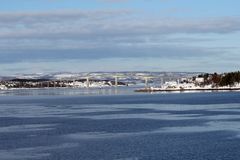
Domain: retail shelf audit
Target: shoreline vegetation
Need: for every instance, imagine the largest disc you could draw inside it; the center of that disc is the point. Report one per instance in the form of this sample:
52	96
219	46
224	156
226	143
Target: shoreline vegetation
203	82
46	83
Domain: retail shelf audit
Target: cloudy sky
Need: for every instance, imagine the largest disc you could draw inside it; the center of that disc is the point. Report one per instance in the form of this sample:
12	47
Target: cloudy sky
42	36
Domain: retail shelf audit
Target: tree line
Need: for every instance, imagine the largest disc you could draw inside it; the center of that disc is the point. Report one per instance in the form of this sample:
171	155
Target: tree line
224	79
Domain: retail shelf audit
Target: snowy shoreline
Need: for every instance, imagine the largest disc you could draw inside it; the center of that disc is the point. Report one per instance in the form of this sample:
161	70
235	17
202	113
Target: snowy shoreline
152	89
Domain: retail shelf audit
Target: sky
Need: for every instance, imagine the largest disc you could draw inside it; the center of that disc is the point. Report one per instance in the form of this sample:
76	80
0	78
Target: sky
46	36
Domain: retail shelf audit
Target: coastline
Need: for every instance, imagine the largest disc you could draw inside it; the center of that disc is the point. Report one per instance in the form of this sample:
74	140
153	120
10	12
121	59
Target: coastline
188	89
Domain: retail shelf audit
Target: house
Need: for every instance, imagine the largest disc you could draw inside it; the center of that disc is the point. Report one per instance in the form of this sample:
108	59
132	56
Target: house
199	80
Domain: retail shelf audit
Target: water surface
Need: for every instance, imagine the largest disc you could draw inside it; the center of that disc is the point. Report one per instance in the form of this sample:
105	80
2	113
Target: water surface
50	125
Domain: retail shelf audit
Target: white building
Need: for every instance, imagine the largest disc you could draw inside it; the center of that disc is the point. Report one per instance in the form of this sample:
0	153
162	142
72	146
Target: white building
171	83
199	80
3	87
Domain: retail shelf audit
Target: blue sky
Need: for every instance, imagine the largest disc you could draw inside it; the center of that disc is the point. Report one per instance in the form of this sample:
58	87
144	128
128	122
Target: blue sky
45	36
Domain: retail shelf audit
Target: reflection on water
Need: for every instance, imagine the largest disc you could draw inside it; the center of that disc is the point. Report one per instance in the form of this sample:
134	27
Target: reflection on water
69	91
73	128
26	128
33	152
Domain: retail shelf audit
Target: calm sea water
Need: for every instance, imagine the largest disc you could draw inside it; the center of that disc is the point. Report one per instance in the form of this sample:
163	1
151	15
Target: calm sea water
118	125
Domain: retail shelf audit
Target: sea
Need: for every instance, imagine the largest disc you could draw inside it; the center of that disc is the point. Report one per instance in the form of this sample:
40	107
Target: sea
118	124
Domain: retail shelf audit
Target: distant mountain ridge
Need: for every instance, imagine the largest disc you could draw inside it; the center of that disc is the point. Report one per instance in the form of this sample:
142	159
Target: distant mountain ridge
124	76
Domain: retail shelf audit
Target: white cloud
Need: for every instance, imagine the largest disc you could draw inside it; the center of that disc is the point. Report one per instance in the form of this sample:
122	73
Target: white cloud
77	24
67	35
